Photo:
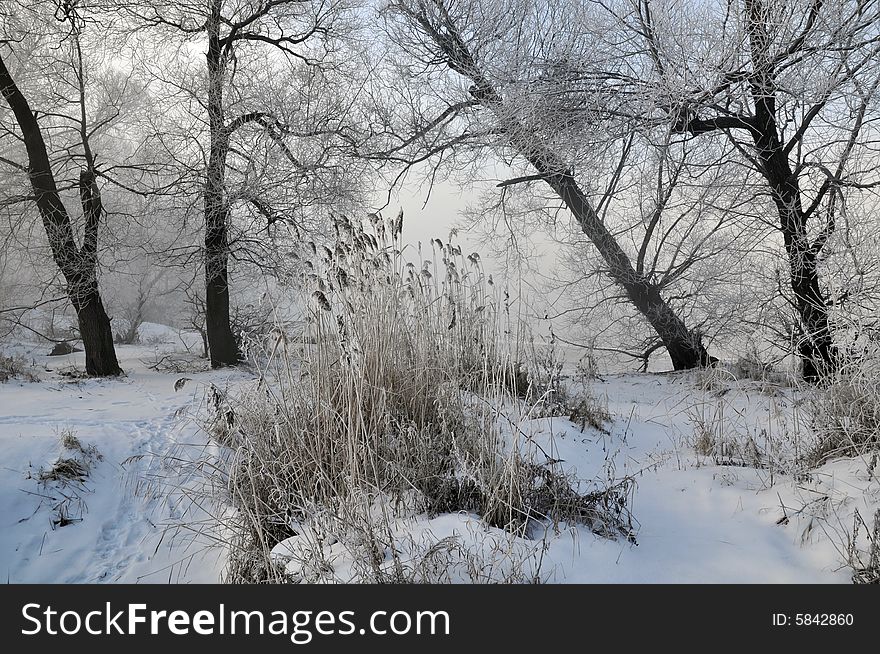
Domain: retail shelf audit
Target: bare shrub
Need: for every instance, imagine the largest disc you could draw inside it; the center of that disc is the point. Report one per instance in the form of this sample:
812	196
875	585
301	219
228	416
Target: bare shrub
134	305
176	362
768	372
250	321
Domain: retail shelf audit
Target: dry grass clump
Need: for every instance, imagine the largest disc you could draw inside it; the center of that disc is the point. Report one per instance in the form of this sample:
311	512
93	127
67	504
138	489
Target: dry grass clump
75	467
65	469
17	367
64	481
392	411
721	431
538	380
732	426
846	411
807	425
865	564
587	410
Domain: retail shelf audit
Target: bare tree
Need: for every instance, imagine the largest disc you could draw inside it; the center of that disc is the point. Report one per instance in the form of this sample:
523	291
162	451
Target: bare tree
234	33
77	263
147	289
794	87
515	60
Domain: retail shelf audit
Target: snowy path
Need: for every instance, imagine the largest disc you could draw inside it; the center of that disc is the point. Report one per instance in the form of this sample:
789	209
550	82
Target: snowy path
123	535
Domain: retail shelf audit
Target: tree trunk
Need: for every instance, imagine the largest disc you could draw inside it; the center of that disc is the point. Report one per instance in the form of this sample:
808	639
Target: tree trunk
96	334
683	345
221	342
78	265
222	348
816	348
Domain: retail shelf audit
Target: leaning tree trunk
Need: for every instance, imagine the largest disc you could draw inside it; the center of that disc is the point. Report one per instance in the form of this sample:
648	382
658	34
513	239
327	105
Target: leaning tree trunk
78	265
223	349
683	345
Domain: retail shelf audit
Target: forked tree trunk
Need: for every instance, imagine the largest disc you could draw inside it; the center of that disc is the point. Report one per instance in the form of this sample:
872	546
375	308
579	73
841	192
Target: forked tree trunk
97	337
816	346
78	265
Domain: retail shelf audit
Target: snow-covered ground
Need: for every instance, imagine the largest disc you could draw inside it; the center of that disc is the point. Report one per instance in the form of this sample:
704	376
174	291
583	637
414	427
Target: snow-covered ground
127	531
697	521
